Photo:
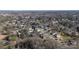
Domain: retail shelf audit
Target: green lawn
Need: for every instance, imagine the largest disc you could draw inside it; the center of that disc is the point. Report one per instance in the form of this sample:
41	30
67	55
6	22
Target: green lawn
13	38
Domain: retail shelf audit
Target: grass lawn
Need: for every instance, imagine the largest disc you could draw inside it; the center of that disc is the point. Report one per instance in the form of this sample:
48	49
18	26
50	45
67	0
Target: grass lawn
13	38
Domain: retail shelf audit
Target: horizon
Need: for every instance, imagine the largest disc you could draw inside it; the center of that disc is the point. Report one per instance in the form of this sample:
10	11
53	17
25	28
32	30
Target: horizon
41	10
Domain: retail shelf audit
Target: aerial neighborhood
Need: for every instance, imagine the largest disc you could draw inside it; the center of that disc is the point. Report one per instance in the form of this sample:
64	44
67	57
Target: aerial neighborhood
39	29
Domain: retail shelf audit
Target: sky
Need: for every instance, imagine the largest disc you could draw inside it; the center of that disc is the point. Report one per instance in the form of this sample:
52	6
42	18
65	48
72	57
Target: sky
39	5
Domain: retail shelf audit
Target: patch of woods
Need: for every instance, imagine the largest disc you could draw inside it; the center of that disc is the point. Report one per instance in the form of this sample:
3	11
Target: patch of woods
37	44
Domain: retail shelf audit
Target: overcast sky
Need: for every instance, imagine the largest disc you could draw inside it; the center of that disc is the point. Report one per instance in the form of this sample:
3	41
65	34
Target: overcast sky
39	5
